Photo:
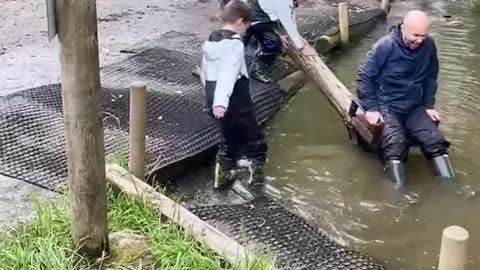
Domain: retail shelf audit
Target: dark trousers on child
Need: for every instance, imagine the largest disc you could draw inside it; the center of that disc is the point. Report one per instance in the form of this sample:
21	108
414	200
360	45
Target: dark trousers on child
241	134
242	137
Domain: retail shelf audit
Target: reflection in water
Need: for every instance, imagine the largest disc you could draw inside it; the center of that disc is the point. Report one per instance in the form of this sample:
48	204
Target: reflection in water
344	191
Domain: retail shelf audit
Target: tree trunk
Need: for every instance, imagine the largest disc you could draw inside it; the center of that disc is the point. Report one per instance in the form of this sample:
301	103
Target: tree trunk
77	33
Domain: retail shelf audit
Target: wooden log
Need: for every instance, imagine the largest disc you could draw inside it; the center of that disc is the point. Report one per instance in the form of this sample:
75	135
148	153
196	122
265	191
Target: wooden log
193	225
81	93
326	43
324	78
339	96
343	22
453	250
138	102
291	83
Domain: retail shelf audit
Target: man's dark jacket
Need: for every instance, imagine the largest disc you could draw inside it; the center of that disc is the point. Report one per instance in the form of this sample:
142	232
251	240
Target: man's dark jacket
396	77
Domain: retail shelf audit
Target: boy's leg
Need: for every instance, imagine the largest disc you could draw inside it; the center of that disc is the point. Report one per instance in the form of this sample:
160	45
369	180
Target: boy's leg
227	154
270	46
424	130
254	147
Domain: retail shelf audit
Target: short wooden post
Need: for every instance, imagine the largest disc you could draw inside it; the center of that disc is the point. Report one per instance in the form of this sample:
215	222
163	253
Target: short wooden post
386	6
453	251
343	22
138	102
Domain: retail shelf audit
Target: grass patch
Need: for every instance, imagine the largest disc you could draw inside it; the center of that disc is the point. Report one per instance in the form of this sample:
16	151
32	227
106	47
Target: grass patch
45	242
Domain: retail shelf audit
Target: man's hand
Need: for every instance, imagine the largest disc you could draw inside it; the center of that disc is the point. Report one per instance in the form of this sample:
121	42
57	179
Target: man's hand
219	112
373	118
434	115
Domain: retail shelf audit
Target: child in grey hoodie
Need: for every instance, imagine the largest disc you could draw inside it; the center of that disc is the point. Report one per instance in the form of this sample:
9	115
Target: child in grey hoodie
224	75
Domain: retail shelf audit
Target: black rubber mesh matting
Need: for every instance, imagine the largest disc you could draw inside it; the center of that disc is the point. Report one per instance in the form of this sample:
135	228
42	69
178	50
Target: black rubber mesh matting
275	231
32	141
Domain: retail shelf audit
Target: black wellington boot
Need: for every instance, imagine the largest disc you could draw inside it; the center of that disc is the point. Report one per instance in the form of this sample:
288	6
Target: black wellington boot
442	167
256	181
224	174
395	171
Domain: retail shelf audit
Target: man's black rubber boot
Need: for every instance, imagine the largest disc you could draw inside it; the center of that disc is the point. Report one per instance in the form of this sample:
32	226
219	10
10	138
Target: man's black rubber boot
395	171
442	167
258	71
224	175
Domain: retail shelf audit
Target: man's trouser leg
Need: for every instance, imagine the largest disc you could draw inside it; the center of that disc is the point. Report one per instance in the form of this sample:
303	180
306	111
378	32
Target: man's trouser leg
270	46
425	132
394	146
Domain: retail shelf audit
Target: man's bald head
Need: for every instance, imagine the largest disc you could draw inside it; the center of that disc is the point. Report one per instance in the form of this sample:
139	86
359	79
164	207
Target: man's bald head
415	28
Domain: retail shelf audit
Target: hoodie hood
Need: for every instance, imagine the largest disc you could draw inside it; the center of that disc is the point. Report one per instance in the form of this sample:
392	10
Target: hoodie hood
223	45
219	43
396	31
212	50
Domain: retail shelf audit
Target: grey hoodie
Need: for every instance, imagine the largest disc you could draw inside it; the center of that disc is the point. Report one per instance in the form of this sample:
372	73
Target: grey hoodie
223	62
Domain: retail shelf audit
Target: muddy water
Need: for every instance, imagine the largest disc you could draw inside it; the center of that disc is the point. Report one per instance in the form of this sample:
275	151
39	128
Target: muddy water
344	191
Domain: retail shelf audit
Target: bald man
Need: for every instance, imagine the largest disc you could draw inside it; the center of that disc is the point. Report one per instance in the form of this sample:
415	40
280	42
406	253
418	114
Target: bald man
397	85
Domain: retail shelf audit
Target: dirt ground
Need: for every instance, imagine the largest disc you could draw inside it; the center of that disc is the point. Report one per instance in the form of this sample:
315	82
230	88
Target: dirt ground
28	59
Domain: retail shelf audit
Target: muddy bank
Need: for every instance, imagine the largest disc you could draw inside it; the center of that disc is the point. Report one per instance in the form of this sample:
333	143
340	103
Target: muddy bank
27	59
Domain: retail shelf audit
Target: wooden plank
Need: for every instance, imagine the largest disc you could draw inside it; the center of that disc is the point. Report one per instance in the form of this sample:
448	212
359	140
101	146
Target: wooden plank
324	78
338	95
193	225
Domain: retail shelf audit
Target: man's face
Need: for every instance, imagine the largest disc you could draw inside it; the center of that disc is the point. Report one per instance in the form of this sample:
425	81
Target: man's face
414	34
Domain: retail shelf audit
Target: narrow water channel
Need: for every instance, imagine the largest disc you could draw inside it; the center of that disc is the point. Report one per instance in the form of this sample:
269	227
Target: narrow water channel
344	191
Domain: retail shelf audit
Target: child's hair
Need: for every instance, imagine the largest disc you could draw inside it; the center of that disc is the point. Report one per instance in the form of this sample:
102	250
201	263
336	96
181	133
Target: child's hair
235	10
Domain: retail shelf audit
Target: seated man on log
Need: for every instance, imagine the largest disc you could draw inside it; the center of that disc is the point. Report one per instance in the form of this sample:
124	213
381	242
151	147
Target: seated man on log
397	86
268	15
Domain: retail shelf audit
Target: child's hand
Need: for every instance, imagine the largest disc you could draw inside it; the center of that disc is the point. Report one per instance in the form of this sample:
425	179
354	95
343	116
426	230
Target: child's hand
308	50
219	112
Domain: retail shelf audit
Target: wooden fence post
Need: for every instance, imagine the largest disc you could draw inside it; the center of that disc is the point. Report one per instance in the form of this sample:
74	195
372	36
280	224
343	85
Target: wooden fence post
138	102
386	6
343	22
81	93
453	251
